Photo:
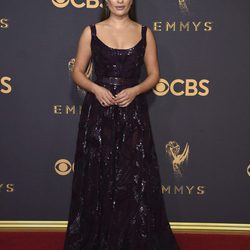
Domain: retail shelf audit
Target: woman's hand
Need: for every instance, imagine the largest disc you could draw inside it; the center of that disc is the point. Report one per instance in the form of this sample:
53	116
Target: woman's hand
104	96
125	97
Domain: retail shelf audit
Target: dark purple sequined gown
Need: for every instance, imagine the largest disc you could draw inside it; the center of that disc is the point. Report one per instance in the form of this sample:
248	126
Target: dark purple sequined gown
116	202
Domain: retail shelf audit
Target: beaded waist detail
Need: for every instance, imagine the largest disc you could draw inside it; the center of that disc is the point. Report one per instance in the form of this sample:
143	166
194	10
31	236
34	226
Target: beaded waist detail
116	81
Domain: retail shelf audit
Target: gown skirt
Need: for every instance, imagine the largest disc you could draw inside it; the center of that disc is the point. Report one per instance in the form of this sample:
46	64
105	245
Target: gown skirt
116	201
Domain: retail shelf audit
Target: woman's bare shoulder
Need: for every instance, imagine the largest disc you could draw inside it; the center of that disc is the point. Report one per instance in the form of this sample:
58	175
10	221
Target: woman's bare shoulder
101	23
86	33
136	25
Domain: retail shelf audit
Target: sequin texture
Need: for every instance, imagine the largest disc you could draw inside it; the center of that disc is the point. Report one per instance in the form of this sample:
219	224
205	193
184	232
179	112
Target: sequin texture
116	201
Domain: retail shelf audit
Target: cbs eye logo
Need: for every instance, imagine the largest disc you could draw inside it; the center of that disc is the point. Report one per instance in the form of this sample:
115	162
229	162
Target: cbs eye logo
89	4
64	167
179	87
5	87
248	170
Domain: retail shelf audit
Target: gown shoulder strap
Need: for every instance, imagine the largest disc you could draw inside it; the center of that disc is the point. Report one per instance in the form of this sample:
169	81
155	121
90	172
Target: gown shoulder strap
93	29
144	31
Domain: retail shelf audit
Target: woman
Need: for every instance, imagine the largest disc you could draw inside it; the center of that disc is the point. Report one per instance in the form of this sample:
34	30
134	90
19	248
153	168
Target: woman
116	201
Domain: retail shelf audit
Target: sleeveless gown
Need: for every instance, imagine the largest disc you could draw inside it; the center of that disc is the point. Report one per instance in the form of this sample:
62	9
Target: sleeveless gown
116	201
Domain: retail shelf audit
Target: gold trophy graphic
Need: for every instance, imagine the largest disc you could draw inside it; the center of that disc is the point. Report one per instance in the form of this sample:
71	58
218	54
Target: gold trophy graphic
183	4
177	159
88	73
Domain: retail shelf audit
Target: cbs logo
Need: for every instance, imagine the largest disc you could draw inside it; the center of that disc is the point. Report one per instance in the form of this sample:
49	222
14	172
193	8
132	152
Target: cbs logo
5	87
64	167
89	4
4	23
179	87
248	170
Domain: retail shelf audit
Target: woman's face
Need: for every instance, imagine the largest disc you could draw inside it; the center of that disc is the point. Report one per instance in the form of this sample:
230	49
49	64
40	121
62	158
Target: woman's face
119	7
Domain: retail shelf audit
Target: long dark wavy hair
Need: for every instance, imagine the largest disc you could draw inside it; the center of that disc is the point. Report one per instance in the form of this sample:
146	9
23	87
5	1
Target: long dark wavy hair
106	13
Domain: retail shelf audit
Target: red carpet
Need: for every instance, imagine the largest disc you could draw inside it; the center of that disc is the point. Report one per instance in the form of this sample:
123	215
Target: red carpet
54	241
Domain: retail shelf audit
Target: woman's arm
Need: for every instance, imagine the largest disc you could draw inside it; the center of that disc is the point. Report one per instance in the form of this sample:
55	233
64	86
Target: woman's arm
151	63
81	62
104	96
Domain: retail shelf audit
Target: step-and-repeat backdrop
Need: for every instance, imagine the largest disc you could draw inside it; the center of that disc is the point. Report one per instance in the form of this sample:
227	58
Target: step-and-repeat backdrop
199	110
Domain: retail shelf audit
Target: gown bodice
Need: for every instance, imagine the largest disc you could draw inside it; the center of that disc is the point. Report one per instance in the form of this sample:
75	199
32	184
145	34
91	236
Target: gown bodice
117	66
